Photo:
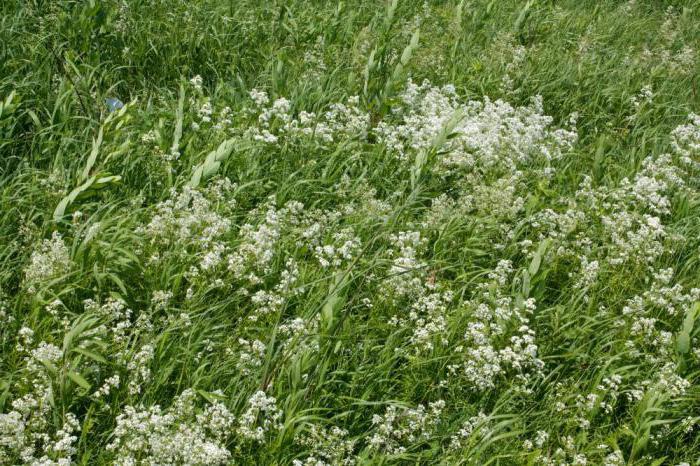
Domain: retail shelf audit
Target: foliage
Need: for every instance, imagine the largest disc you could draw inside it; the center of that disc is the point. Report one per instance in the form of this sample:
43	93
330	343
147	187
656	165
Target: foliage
309	233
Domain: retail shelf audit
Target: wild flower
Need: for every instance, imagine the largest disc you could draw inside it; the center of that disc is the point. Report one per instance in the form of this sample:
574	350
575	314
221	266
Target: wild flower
475	426
106	388
138	366
50	260
260	418
670	383
400	428
427	317
260	98
119	317
488	134
644	97
614	459
685	139
326	446
181	434
160	299
486	256
589	273
498	338
205	111
633	238
405	276
196	82
27	432
299	334
276	122
256	249
508	80
251	355
343	250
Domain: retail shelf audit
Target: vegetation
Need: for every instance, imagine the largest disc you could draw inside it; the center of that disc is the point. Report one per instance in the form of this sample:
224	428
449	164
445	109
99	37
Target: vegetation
335	233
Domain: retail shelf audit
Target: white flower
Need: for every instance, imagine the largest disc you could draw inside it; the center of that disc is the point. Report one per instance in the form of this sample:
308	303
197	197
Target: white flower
49	260
196	82
261	417
181	434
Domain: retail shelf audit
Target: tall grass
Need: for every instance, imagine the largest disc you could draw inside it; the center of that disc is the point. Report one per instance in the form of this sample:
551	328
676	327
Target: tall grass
160	242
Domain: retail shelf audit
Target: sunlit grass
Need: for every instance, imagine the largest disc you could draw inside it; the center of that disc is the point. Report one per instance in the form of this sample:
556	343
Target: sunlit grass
245	232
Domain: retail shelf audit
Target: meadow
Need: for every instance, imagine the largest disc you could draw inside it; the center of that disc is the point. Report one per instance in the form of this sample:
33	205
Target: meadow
309	233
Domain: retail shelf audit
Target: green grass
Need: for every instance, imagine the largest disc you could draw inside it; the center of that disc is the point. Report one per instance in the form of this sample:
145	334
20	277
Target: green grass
95	206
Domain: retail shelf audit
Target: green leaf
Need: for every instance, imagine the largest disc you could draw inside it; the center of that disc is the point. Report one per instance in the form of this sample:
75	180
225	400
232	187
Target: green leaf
417	169
209	396
91	186
211	164
81	325
447	131
79	379
526	283
368	70
178	122
90	354
389	16
334	301
537	259
690	315
96	143
522	17
50	367
683	337
683	342
412	46
400	67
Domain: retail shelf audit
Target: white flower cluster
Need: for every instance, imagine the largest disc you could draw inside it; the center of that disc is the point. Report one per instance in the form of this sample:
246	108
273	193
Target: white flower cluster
181	434
117	323
624	224
673	60
633	238
300	335
160	299
250	355
494	155
5	317
400	428
643	316
50	260
260	418
585	408
109	384
326	447
475	426
138	367
685	140
256	248
341	251
189	227
277	124
486	133
643	98
405	276
566	455
653	183
22	438
187	217
518	58
499	338
428	320
27	432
